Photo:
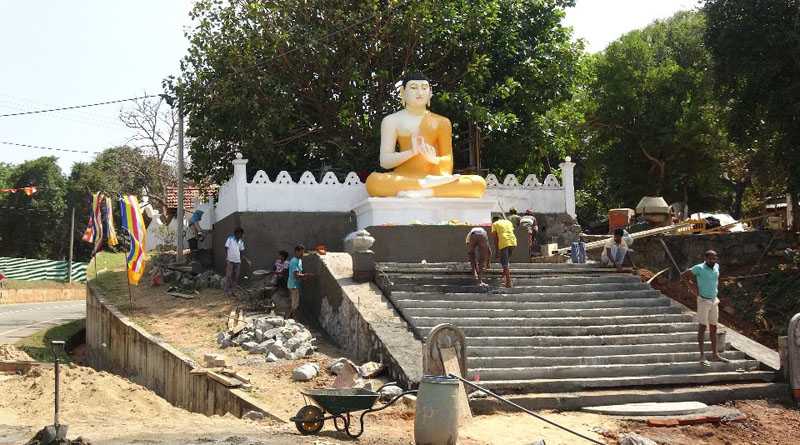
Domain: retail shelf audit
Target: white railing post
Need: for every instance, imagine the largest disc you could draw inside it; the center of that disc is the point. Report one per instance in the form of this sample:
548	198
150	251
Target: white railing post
568	182
240	182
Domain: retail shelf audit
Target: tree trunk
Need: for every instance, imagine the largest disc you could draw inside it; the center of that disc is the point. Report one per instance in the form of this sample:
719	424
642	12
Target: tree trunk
792	207
738	195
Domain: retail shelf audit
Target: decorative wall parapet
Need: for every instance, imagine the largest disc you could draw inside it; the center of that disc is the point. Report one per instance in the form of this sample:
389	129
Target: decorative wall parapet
329	194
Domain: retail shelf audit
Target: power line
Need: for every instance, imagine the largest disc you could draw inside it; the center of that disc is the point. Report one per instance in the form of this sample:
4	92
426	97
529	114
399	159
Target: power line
39	147
73	107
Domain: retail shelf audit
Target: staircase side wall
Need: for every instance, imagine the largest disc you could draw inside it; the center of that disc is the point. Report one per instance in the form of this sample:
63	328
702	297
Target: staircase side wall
359	318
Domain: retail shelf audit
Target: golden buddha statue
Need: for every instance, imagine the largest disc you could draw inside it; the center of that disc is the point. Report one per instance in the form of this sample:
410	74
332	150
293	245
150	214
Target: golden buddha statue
423	166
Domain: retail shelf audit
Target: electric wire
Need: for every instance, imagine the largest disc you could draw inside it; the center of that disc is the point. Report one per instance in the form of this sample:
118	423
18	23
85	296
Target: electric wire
40	147
75	107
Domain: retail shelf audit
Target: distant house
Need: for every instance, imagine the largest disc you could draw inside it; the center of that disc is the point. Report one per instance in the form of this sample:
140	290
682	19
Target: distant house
192	194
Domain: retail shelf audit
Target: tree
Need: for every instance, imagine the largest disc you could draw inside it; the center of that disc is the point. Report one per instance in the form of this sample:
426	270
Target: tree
756	53
657	118
151	152
301	85
34	226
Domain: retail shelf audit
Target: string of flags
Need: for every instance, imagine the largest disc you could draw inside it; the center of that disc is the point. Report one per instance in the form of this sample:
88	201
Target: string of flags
100	227
26	190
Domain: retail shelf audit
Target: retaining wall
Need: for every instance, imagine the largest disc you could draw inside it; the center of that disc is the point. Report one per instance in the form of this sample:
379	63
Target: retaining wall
9	296
119	345
359	318
734	249
447	243
265	233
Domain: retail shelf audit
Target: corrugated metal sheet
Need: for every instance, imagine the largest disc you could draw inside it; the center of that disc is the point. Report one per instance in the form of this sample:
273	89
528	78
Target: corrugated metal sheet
32	270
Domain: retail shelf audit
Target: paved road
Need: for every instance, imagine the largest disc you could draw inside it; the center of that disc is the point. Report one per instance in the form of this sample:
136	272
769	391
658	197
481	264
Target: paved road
21	320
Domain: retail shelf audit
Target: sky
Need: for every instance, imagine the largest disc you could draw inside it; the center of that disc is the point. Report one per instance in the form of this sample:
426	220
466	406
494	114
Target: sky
63	53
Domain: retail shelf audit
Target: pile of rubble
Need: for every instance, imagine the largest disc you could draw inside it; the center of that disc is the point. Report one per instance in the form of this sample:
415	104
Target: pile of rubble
165	269
272	336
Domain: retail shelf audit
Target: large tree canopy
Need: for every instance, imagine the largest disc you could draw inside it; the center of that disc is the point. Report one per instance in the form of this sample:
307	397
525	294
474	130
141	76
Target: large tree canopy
301	85
756	51
656	122
33	226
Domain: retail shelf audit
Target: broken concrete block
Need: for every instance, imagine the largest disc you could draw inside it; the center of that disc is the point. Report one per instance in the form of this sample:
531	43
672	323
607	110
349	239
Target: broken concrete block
272	333
279	350
266	345
634	439
306	350
304	373
275	321
214	361
336	366
253	415
410	402
250	346
370	369
224	340
390	392
271	358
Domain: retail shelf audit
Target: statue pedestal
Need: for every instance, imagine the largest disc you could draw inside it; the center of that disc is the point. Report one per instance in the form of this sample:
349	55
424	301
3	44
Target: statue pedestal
405	211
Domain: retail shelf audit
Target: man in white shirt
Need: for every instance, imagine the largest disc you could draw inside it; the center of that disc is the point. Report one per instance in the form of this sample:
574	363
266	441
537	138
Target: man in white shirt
234	246
615	251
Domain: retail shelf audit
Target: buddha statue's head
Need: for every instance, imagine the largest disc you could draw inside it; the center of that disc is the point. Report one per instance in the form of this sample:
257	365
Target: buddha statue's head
416	91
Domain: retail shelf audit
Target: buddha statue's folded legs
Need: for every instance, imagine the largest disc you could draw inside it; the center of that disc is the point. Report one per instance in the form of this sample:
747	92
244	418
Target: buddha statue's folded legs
392	184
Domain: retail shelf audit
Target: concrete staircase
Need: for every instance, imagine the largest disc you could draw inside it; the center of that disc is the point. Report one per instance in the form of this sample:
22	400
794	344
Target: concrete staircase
566	328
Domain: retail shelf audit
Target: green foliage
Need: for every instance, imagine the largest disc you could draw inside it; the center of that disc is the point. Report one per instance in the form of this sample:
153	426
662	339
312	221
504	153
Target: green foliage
656	124
33	226
755	47
259	78
38	345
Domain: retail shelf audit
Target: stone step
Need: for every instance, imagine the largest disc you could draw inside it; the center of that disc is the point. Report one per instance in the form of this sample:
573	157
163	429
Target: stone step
618	371
444	310
662	303
555	297
574	400
591	360
551	385
486	320
567	288
567	333
582	340
494	279
582	351
464	266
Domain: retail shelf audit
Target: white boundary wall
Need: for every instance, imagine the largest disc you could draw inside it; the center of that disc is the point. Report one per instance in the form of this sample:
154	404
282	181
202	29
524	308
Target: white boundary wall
329	195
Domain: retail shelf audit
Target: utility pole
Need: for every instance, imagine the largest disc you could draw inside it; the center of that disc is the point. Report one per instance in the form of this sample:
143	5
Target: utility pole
179	231
71	246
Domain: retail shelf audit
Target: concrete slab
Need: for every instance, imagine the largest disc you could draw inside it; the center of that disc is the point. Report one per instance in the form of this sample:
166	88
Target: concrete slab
650	409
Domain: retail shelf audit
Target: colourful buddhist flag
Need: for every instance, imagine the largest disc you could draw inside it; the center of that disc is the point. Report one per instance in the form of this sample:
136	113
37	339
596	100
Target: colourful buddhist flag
94	230
108	224
133	223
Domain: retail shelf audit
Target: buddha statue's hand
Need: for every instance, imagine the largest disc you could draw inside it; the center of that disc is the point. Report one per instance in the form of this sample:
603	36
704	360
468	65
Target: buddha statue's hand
427	151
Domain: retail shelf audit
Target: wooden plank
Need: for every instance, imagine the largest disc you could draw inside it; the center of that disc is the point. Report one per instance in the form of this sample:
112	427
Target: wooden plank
452	366
211	396
225	381
220	396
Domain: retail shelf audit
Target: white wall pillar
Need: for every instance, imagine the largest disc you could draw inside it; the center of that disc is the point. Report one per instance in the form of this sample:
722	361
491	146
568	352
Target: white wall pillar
240	182
568	182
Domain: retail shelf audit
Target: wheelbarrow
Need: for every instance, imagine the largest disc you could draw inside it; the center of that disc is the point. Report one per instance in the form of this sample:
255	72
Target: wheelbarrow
339	404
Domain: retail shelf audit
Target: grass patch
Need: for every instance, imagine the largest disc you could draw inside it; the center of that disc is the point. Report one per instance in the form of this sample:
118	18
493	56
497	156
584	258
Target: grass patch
112	279
38	344
105	261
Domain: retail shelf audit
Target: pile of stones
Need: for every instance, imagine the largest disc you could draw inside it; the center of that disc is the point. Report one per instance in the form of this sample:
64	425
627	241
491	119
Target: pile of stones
275	337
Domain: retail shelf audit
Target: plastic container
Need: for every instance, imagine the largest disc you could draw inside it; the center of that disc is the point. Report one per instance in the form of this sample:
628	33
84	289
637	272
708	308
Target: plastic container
619	219
436	420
